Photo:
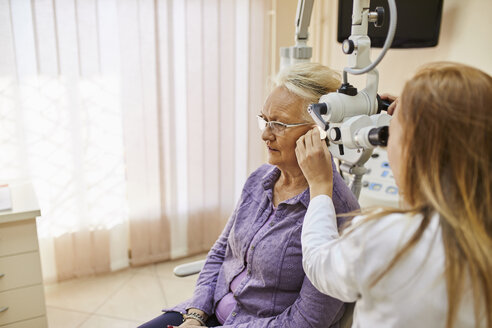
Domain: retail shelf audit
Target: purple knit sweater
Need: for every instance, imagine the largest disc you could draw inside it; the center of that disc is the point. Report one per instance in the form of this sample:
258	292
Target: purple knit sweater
275	291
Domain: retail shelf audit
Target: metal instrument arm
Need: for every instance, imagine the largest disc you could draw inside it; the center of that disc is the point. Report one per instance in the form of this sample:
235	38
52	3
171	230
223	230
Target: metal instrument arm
303	19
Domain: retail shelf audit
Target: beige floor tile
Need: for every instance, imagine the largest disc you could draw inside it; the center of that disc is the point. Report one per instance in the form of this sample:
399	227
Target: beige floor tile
177	290
149	269
85	294
59	318
121	299
98	321
140	299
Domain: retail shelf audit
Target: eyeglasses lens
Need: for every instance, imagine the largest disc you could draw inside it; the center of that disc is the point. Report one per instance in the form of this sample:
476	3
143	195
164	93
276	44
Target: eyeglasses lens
276	128
261	123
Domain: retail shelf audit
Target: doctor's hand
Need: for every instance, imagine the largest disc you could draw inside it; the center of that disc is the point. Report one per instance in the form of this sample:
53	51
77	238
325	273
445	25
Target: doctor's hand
393	99
314	159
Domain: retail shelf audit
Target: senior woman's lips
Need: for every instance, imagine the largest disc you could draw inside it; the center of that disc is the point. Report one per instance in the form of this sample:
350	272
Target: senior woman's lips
271	149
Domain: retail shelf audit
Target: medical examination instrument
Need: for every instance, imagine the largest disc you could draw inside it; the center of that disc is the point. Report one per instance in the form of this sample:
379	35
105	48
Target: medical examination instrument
355	121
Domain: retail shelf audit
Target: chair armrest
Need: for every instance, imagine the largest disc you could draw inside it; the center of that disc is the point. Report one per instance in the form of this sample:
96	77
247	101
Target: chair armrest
189	269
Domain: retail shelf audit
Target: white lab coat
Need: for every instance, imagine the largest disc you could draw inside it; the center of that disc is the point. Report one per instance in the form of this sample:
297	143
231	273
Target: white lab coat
413	294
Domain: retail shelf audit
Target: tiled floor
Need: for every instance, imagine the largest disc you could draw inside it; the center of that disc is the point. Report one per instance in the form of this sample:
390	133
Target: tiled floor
122	299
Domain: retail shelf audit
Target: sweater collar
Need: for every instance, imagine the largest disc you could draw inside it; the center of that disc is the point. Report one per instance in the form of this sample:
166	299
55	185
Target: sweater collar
269	182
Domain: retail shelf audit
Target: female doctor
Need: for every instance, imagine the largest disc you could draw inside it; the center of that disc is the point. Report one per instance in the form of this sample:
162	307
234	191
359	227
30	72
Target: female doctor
430	263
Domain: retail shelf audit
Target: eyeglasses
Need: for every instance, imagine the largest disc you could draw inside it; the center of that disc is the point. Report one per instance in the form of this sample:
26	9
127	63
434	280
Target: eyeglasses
278	128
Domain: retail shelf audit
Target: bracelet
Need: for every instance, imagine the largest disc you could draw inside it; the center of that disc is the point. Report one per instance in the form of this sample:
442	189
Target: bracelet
195	316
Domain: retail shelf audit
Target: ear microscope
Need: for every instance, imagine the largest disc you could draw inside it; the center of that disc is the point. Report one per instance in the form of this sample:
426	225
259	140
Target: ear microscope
355	121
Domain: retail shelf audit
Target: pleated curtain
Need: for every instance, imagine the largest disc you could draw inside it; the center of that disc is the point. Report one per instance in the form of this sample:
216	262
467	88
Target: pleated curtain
134	120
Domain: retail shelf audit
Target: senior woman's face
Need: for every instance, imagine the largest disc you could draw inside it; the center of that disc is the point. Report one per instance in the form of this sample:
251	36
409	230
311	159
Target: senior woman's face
285	107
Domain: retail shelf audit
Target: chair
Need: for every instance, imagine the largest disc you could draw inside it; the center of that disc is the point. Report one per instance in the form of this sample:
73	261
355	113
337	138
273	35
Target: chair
188	269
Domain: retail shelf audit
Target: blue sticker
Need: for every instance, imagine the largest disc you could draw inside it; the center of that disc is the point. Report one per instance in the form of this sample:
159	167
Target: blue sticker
392	190
375	186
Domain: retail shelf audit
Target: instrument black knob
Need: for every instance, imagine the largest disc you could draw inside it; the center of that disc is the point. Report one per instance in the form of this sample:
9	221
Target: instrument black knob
348	46
380	20
335	134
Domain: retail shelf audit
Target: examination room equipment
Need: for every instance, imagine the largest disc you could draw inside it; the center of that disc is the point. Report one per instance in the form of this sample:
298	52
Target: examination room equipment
355	120
356	125
419	23
352	119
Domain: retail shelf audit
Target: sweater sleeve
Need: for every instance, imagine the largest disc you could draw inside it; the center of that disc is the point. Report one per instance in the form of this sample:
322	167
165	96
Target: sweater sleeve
203	296
328	259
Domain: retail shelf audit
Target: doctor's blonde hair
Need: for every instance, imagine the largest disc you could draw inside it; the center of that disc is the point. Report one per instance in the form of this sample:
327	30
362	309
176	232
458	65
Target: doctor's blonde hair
446	114
309	81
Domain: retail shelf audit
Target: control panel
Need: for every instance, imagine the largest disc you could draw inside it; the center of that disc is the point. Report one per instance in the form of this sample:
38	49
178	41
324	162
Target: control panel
378	184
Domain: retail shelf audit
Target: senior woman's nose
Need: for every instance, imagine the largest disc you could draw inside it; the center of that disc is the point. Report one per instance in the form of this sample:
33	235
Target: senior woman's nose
267	134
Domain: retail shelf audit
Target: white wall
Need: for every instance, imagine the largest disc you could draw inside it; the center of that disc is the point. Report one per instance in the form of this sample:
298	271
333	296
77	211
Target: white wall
466	37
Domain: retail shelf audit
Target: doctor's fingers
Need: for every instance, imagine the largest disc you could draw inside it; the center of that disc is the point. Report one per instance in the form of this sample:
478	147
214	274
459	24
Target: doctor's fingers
318	142
308	141
392	107
388	96
318	145
300	147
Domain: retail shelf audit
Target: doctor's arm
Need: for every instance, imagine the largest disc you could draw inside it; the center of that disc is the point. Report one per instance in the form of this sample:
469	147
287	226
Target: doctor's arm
328	260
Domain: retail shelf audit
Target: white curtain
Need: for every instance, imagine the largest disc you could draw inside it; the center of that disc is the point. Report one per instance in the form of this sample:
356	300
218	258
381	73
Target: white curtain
134	119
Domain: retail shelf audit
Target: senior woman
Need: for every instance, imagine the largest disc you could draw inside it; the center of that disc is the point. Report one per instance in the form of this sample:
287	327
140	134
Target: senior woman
253	275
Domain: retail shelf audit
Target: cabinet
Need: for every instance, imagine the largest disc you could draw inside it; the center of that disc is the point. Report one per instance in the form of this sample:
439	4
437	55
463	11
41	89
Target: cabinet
22	301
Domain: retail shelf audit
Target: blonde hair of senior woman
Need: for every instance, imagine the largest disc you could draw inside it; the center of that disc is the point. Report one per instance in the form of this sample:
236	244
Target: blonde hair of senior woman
309	81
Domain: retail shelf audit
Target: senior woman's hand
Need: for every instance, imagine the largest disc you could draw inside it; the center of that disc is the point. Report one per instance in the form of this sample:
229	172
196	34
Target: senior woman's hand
190	324
314	159
186	324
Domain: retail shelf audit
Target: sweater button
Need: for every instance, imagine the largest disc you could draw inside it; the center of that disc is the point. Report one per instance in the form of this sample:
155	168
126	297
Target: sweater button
233	314
271	224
